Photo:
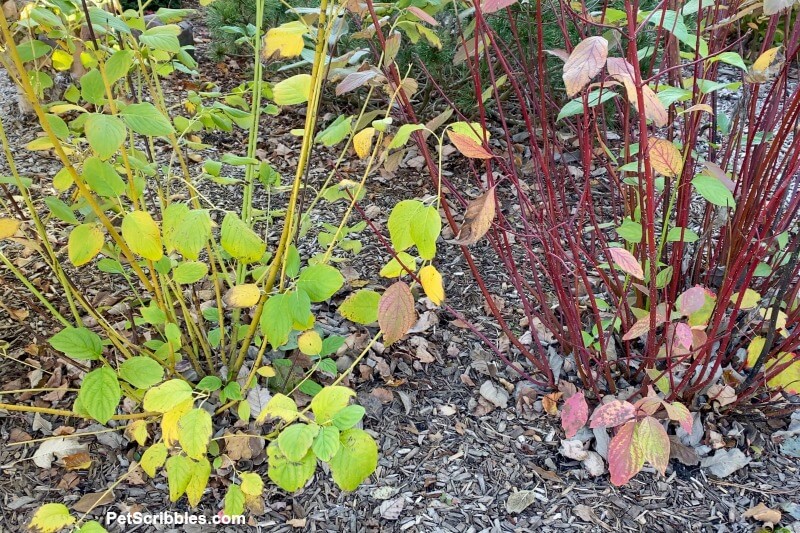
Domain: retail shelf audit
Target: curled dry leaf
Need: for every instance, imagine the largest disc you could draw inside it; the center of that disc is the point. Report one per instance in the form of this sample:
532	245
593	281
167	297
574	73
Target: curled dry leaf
573	449
521	500
583	64
762	513
477	219
550	403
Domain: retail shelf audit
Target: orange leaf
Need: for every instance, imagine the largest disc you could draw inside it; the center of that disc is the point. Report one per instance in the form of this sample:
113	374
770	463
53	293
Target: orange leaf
622	71
468	147
583	64
477	219
396	314
665	157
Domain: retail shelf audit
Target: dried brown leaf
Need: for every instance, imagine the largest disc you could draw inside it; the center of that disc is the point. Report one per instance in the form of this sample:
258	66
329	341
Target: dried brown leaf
477	219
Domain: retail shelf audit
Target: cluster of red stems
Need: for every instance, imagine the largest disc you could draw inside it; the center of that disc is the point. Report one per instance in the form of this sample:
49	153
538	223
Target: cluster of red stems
551	236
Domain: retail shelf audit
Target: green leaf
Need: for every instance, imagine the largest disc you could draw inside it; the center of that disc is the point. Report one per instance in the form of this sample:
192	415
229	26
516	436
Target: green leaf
400	223
348	417
276	320
630	231
179	472
118	64
326	443
425	229
240	241
731	58
85	242
664	277
141	233
651	438
674	235
234	501
51	517
167	395
92	88
92	526
320	282
396	267
141	372
58	125
361	307
189	272
713	190
209	384
194	432
336	131
575	107
60	210
102	178
294	90
403	134
152	314
162	38
153	458
296	440
32	49
330	401
201	472
299	305
105	134
289	475
356	459
100	394
145	119
186	231
281	407
78	343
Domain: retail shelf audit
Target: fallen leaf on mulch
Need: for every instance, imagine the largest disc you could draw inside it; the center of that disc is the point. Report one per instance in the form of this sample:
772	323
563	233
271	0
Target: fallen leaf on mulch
383	395
594	465
723	394
725	462
497	395
392	509
573	449
297	522
550	403
681	452
762	513
56	449
520	500
383	493
93	500
547	475
78	461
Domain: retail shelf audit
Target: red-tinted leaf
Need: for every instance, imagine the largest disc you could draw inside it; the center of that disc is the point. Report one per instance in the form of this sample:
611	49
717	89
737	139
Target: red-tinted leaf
491	6
468	146
680	414
612	414
626	262
648	405
477	219
639	328
652	440
421	15
622	71
574	414
683	335
396	314
354	80
692	300
665	157
625	459
583	64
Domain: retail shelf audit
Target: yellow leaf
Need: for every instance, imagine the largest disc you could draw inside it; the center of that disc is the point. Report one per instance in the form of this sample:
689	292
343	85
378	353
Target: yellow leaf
266	371
141	233
153	458
51	517
749	300
246	295
780	322
665	157
432	284
754	350
85	242
252	484
766	59
286	40
198	481
766	66
310	343
8	227
137	430
787	379
362	142
169	422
